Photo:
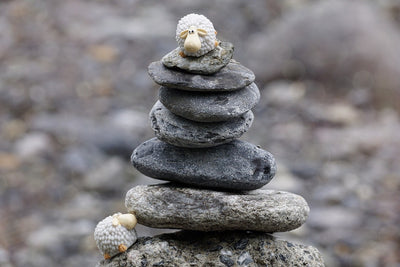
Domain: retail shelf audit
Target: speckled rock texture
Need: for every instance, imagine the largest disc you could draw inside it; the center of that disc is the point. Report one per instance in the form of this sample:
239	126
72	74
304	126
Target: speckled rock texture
207	64
216	249
210	107
177	207
234	76
182	132
237	165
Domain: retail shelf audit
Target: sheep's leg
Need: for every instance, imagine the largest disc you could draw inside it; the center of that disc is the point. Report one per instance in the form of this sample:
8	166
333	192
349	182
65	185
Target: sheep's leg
182	54
122	248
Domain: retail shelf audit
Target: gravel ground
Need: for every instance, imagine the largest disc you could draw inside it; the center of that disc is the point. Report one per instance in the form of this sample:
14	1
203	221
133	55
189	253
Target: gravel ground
75	97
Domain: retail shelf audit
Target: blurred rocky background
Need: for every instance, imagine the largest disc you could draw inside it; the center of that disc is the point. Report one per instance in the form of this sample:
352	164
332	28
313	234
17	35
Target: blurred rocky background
75	97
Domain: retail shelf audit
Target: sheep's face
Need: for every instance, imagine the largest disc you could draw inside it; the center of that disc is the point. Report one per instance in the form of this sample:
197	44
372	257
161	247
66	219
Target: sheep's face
195	35
192	36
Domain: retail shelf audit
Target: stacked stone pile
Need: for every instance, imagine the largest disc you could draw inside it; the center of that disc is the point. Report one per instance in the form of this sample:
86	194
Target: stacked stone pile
199	116
204	106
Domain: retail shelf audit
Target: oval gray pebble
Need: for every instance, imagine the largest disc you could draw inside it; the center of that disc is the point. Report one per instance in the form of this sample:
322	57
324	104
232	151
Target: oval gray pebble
207	64
182	132
237	165
172	206
233	77
210	107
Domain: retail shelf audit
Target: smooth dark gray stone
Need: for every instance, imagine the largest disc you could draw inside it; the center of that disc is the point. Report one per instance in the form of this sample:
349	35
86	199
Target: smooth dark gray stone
210	107
208	64
218	249
182	132
234	76
237	165
176	207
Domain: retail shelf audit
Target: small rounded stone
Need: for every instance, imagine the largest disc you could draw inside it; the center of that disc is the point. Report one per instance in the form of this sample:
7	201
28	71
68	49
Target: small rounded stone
233	77
182	132
209	63
237	165
210	107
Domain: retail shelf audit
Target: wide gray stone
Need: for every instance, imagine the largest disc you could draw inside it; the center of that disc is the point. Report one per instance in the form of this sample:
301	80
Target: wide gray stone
208	64
219	249
182	132
210	107
176	207
234	76
237	165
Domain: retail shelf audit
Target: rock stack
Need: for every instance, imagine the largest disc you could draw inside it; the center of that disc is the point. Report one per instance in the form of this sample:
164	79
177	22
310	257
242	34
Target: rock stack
215	179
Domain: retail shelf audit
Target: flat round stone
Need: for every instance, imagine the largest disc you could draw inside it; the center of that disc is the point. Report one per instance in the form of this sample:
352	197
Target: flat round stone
172	206
237	165
210	107
182	132
234	76
208	64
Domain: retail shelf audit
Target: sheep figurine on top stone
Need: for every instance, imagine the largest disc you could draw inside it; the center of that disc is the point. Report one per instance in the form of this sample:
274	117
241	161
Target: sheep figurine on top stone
195	35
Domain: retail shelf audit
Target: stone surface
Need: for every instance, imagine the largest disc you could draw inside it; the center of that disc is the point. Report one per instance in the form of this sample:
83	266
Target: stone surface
249	168
234	76
207	64
216	249
182	132
210	107
177	207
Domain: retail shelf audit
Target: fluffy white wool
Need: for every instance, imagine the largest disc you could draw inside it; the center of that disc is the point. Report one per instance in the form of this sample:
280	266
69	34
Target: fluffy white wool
201	22
109	237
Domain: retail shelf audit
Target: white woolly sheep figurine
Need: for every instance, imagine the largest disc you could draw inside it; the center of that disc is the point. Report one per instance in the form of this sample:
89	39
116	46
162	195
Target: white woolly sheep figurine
115	234
195	35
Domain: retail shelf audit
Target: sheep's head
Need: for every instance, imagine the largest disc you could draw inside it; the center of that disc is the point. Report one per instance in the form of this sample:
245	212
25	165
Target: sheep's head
192	36
195	35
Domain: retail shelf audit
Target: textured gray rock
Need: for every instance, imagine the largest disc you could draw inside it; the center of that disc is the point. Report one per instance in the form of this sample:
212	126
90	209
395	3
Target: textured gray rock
182	132
216	249
208	64
237	165
176	207
234	76
210	107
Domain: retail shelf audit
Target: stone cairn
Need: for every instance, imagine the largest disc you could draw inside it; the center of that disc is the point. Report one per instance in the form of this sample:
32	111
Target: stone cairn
214	192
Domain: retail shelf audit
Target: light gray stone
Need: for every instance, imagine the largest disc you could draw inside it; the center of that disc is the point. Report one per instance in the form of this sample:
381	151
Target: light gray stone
234	76
208	64
210	107
177	207
182	132
218	249
237	165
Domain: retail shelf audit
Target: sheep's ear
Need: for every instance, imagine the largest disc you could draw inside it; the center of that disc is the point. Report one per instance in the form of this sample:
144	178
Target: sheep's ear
202	32
184	34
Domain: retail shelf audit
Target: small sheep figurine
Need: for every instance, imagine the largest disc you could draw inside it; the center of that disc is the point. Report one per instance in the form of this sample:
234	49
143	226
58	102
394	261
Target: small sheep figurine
195	35
115	234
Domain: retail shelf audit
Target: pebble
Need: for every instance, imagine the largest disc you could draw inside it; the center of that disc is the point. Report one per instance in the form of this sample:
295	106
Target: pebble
182	132
234	76
206	107
216	249
176	207
210	63
237	165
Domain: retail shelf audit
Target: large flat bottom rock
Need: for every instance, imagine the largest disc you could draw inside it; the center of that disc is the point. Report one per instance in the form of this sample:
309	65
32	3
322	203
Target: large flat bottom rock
177	207
215	249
